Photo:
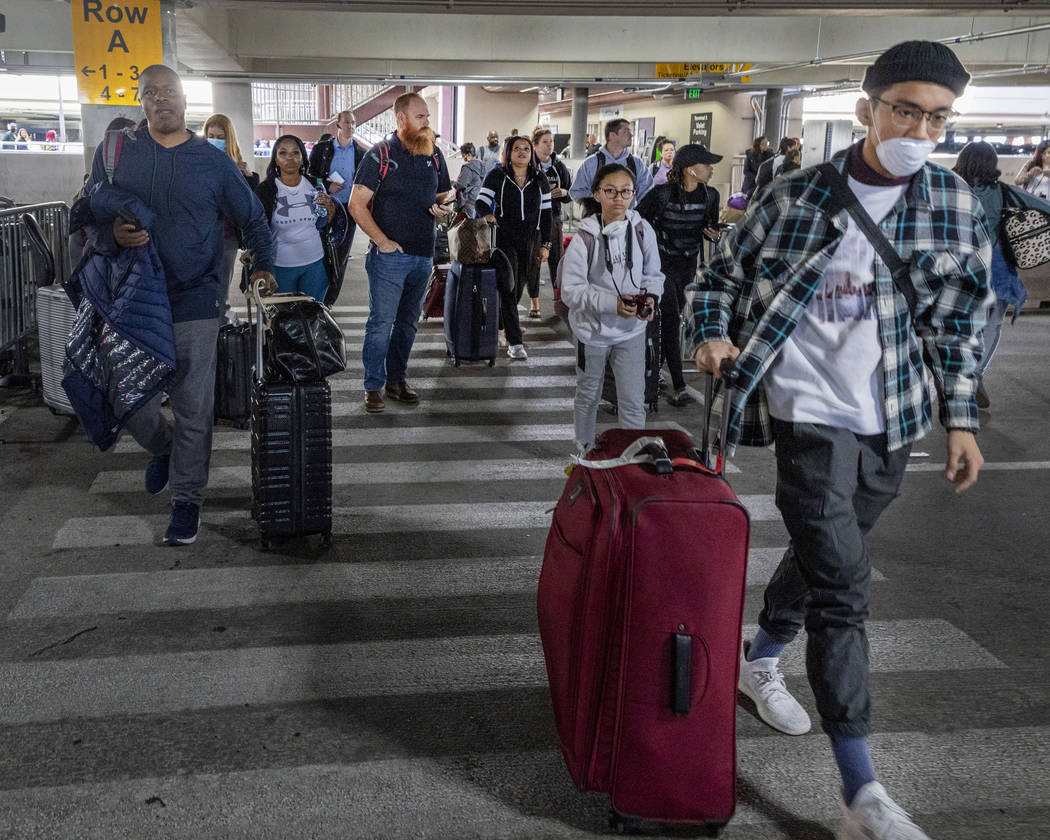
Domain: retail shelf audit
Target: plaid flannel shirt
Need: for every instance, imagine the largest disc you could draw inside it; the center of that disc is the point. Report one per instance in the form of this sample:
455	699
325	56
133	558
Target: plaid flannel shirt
757	286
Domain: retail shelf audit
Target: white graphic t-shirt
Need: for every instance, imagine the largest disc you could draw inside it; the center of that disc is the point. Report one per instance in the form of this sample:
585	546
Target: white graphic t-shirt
830	368
292	225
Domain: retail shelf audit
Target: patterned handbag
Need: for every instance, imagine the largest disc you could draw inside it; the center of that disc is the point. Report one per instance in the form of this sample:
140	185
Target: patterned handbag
1025	234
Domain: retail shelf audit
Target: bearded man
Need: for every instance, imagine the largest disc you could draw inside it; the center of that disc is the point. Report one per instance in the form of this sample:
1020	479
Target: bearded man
399	189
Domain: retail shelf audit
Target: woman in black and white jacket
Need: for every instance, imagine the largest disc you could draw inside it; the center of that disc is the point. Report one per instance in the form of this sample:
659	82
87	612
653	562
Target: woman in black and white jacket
517	198
560	179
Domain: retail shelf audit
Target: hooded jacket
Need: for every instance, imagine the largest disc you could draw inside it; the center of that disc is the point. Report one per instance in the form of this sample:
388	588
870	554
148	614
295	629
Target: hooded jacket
589	291
189	188
121	351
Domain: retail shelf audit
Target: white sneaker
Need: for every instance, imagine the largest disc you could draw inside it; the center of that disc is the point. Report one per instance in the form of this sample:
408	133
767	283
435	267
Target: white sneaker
517	351
762	681
874	816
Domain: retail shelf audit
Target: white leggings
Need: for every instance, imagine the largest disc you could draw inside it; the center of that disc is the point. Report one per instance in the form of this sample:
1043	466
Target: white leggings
628	365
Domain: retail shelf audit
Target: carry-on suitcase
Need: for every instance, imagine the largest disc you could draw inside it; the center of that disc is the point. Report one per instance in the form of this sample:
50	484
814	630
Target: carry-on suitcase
233	372
640	601
652	369
472	313
291	452
434	298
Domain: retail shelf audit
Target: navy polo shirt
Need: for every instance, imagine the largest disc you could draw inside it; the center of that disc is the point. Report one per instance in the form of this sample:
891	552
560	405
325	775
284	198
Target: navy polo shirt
402	200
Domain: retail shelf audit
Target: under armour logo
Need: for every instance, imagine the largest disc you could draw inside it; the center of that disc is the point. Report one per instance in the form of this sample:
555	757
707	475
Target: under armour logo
284	207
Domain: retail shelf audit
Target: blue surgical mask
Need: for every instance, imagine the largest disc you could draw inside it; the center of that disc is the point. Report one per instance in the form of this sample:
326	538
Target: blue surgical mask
217	143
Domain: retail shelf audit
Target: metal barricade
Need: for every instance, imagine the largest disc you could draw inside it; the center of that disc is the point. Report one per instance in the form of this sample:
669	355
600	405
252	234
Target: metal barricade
20	272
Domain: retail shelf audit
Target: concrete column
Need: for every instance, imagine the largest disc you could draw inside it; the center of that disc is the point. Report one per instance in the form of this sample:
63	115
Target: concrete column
95	118
234	99
771	129
578	140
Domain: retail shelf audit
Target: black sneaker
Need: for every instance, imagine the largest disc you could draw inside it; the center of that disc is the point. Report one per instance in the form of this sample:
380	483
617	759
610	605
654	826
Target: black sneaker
681	398
157	474
185	521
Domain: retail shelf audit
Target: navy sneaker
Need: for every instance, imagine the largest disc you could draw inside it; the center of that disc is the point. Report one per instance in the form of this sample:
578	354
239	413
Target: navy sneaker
185	520
157	474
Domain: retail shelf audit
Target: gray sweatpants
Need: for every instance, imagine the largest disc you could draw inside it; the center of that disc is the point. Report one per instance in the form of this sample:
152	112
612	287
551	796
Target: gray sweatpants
628	365
192	395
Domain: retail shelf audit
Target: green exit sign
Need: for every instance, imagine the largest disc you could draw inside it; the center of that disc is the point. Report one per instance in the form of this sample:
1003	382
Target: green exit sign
694	94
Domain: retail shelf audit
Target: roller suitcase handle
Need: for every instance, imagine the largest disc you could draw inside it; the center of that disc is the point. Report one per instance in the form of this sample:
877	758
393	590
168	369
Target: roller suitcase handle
729	378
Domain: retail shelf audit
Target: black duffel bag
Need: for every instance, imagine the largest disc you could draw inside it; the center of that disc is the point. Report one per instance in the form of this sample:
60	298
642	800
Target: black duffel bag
305	343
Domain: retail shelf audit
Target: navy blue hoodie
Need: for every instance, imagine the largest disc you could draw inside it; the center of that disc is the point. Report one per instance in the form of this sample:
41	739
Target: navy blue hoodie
190	188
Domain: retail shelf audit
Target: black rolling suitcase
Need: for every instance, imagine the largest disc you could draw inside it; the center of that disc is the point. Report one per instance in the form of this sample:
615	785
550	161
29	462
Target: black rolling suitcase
291	450
652	369
233	372
472	313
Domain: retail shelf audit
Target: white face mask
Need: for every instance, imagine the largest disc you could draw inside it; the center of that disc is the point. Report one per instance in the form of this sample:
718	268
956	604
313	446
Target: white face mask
901	156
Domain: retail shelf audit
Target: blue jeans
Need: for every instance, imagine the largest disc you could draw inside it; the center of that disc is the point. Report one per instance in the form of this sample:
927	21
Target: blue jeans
309	279
993	331
396	285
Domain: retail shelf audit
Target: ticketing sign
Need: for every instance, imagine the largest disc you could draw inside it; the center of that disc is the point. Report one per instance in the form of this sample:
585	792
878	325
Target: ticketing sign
113	42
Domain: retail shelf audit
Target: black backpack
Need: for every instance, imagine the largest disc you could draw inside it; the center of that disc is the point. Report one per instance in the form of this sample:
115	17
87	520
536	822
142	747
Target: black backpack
630	163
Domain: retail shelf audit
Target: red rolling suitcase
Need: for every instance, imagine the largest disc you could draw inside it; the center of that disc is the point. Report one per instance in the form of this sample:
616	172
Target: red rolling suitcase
640	602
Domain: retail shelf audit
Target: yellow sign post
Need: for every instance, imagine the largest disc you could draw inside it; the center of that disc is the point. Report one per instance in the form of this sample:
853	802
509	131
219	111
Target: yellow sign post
681	71
113	42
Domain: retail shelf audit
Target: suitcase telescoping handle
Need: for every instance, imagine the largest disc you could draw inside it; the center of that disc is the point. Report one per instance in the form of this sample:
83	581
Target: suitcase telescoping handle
256	293
729	377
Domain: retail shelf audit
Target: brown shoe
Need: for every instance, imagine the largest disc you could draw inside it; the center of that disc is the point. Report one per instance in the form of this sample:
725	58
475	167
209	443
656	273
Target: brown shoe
374	402
402	393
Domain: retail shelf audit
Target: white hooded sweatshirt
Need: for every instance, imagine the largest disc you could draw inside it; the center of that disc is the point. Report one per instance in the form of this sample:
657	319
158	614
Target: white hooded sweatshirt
590	292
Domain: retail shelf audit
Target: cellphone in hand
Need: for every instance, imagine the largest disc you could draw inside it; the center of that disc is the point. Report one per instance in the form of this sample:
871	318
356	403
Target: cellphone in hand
129	218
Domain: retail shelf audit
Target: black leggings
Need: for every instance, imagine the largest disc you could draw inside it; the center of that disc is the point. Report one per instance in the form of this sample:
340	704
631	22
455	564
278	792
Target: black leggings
520	253
678	273
535	267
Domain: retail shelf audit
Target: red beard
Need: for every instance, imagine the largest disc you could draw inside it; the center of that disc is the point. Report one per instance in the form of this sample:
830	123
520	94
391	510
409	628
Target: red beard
417	142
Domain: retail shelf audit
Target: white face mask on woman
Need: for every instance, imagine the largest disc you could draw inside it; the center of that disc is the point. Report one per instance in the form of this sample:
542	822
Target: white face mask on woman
901	156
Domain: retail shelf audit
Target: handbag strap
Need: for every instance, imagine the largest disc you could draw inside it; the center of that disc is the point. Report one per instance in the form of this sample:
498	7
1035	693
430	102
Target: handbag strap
843	198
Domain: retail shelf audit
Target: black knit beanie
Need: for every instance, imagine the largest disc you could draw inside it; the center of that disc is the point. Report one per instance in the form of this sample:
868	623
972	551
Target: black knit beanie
917	61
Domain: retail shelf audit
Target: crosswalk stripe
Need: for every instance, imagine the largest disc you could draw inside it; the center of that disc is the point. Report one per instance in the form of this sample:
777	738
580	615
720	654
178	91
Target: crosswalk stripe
762	562
535	335
470	383
988	466
338	310
449	794
102	531
232	588
417	361
203	679
501	405
238	440
366	473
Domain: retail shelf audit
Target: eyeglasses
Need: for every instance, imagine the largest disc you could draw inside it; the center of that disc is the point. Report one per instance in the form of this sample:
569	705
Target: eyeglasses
611	192
909	116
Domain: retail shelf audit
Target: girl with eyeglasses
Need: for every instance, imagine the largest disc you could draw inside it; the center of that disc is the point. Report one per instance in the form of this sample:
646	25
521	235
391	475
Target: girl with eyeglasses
611	284
1034	176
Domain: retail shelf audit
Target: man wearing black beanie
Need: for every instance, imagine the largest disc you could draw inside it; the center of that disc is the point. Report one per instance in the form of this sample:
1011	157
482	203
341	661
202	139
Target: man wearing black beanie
841	282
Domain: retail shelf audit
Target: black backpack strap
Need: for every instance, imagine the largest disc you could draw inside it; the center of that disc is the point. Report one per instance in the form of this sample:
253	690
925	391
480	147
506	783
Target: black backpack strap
843	198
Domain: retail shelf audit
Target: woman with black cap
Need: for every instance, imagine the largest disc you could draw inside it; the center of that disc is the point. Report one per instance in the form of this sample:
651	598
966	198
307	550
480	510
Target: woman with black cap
683	211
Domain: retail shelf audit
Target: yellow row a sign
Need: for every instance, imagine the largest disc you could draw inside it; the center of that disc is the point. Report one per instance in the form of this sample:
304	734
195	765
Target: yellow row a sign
113	42
682	70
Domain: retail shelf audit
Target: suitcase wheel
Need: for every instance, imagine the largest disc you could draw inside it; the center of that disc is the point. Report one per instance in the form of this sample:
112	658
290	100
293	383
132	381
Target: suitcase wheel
326	539
492	362
622	824
714	829
265	544
455	362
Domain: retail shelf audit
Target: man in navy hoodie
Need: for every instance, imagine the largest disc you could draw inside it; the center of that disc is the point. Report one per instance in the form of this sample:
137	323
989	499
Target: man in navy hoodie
190	186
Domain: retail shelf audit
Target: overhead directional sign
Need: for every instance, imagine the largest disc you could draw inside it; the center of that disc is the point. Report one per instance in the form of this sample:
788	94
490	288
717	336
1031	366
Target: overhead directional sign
113	42
682	71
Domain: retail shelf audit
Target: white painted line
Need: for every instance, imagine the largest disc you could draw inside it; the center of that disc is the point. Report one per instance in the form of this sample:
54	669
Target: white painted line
7	412
536	335
238	587
229	439
368	473
762	562
560	360
473	794
989	466
466	405
242	311
105	687
102	531
470	383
